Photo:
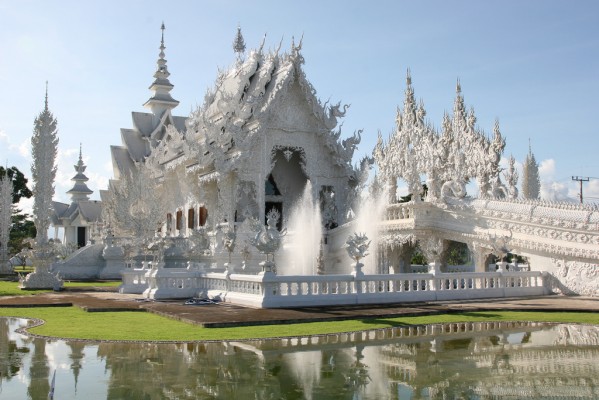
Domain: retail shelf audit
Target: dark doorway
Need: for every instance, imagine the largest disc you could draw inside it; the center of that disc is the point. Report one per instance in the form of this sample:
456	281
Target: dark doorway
277	205
81	236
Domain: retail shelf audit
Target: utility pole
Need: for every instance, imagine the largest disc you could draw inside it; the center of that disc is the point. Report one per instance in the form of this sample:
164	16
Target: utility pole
580	179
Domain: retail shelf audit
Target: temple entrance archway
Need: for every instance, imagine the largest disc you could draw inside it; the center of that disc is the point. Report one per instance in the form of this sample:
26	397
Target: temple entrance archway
285	183
81	236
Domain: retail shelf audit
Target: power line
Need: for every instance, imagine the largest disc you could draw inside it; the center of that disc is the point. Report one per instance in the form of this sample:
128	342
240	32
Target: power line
581	179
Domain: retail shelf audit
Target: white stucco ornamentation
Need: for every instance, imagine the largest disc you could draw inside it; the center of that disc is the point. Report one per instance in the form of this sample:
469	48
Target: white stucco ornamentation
576	278
44	146
448	159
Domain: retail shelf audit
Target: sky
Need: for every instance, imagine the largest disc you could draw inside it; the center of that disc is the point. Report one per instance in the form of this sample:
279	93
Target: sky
533	65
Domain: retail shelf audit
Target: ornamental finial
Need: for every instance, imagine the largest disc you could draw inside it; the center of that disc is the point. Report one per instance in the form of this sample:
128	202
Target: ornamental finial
46	101
529	147
239	43
408	77
458	86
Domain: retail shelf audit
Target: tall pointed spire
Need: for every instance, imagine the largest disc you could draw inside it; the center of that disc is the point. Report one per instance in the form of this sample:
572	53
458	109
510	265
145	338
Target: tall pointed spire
44	148
46	101
239	44
161	99
80	191
531	183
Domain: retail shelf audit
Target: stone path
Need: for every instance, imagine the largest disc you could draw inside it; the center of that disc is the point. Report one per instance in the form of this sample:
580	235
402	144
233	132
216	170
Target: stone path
220	315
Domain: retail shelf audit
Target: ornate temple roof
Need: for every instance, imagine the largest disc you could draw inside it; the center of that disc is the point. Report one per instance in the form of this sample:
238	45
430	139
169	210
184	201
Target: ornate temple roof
148	128
89	210
244	100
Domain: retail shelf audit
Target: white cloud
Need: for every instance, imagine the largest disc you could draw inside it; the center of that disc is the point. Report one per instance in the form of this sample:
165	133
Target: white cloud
25	149
554	189
547	170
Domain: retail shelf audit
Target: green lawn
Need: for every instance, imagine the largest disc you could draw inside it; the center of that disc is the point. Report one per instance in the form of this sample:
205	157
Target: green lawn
8	288
72	322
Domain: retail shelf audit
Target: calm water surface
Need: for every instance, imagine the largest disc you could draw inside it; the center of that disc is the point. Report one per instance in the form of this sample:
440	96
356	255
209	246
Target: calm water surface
456	361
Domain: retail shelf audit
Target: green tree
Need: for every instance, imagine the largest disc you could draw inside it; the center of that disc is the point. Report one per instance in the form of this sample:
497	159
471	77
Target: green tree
19	183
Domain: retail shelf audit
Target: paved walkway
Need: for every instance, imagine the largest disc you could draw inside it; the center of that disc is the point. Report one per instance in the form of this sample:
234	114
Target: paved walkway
219	315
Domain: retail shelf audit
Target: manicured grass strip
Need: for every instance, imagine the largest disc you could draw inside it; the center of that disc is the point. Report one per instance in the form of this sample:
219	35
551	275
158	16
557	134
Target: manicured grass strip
8	288
72	322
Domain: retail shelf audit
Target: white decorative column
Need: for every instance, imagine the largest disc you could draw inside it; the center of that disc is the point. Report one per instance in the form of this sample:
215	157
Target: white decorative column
44	146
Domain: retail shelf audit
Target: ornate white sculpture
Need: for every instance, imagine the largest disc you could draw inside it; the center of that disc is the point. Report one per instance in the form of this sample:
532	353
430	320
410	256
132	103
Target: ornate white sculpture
268	239
531	184
44	146
432	247
511	178
228	239
135	207
448	160
357	249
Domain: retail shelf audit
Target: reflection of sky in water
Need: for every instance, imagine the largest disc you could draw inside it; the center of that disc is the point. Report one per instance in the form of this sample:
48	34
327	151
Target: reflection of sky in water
463	361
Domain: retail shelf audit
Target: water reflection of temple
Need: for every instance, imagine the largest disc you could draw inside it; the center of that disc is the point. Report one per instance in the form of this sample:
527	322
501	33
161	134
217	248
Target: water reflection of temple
467	360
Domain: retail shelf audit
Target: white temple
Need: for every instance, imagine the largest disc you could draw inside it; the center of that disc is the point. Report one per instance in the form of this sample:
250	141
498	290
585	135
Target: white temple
82	216
192	194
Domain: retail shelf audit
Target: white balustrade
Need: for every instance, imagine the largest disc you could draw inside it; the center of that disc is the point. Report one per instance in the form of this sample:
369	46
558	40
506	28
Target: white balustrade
134	281
271	291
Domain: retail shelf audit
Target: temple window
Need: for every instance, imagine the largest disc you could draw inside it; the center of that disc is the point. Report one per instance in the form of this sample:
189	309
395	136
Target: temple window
179	220
191	218
169	222
203	215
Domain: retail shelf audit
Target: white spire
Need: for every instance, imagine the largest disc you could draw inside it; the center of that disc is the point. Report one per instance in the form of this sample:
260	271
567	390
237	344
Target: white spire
161	99
531	183
239	44
80	191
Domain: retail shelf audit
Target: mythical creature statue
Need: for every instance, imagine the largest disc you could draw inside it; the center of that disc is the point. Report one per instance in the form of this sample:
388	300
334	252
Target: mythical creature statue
329	209
453	189
350	144
335	112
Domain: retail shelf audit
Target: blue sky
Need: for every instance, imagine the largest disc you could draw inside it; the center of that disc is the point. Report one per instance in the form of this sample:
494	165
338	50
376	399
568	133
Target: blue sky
534	65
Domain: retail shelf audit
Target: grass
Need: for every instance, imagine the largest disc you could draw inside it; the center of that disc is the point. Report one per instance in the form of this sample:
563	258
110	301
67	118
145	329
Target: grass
72	322
8	288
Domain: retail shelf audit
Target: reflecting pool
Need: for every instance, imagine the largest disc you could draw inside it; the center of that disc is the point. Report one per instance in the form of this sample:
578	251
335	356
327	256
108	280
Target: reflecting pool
453	361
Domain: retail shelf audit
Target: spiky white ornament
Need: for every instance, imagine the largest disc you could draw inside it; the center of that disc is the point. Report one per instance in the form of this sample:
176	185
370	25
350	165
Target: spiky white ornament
531	184
44	147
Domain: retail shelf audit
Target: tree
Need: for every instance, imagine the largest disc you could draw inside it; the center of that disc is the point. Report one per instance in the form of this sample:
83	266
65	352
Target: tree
19	183
531	184
23	229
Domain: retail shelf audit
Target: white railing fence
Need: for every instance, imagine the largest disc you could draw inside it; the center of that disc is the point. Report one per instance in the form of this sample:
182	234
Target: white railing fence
273	291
